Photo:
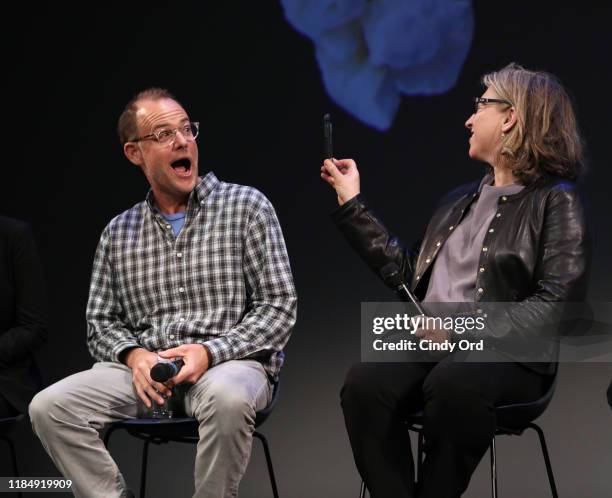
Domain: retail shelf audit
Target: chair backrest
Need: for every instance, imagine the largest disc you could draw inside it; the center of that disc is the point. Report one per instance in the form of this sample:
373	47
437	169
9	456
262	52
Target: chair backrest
513	417
262	415
518	415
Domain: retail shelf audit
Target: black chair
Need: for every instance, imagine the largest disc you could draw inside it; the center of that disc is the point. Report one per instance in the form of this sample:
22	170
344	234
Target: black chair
6	424
512	420
184	430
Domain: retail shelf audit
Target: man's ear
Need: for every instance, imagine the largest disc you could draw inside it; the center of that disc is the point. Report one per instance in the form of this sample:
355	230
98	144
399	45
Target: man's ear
509	120
133	153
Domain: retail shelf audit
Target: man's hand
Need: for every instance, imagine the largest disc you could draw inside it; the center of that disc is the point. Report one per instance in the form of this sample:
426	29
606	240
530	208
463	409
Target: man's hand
195	357
141	361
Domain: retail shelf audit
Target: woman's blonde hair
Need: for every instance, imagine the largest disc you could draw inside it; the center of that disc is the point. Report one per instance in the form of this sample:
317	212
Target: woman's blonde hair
545	139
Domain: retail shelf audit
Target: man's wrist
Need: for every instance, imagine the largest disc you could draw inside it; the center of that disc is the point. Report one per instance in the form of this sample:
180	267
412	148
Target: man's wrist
208	354
127	355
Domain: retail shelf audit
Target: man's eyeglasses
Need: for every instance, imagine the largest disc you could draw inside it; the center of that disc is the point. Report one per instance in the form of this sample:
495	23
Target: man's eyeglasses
167	137
480	101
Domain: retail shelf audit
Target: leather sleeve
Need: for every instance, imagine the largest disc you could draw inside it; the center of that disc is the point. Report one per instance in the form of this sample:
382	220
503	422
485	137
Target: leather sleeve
369	237
565	253
560	276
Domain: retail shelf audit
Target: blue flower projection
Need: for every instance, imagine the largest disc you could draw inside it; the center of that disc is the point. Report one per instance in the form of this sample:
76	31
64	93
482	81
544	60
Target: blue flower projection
372	51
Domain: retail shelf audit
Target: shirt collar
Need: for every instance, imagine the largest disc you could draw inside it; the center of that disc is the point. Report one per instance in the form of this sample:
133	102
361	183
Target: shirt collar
488	178
206	185
487	181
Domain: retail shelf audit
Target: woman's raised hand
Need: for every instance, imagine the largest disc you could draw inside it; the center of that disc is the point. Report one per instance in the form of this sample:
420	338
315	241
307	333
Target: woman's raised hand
343	176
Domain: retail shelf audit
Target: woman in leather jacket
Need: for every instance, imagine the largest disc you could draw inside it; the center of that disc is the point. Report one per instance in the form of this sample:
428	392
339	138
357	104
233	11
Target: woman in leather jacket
518	235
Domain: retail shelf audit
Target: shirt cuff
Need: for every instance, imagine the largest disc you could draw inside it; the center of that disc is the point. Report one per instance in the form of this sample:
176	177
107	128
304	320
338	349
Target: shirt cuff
121	350
218	350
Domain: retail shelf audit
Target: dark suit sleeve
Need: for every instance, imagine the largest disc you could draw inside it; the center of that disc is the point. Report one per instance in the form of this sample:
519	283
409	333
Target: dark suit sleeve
29	329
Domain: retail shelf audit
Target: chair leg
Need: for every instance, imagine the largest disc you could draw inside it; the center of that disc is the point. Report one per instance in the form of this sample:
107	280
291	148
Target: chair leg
362	491
266	448
143	468
493	468
419	458
549	471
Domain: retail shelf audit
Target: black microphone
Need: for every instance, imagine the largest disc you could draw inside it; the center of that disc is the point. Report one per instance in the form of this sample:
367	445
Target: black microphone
327	135
391	275
165	370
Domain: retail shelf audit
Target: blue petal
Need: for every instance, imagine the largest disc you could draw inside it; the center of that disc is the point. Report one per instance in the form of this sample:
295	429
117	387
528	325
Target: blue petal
370	51
315	17
402	34
440	73
345	42
365	91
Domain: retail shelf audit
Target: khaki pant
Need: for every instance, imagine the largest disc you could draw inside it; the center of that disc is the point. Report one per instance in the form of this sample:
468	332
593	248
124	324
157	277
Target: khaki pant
68	416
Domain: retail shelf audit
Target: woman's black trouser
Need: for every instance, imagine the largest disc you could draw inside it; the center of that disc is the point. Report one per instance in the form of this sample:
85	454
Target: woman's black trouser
458	400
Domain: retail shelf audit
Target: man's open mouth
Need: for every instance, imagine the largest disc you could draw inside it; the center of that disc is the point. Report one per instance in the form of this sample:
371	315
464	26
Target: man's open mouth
182	167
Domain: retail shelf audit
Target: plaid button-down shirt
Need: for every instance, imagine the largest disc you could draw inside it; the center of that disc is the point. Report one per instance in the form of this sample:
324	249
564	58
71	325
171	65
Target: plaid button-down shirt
225	281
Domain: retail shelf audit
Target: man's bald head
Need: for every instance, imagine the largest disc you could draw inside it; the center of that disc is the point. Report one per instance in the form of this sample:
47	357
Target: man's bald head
127	127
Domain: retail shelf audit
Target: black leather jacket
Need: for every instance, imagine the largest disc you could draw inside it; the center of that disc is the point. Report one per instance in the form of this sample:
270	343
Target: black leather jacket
536	249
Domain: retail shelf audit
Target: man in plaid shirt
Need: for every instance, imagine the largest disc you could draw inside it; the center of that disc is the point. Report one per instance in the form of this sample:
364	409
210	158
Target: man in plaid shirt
199	270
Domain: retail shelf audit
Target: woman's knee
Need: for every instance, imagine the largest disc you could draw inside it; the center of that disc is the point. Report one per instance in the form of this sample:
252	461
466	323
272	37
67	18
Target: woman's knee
454	408
360	385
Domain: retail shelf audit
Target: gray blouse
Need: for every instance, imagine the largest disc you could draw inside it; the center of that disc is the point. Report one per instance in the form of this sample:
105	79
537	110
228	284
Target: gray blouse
453	277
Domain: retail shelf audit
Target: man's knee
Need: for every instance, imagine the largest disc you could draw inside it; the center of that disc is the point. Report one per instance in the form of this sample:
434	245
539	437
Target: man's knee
43	408
57	404
37	406
228	407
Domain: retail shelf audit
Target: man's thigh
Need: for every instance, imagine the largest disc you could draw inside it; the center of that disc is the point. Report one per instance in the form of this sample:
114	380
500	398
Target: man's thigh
231	382
98	396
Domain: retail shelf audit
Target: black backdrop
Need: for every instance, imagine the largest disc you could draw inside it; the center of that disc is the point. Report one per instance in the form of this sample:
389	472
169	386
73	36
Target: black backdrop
255	87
